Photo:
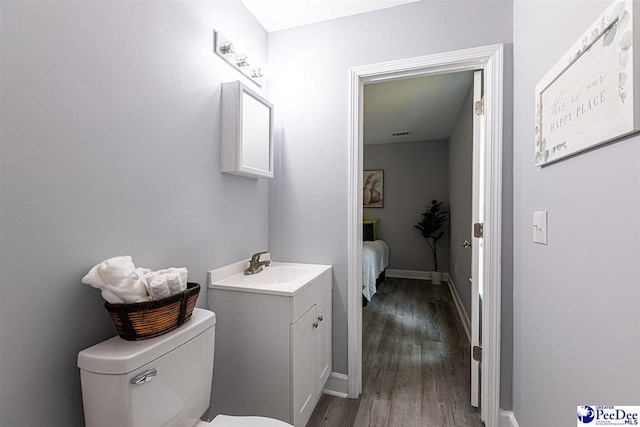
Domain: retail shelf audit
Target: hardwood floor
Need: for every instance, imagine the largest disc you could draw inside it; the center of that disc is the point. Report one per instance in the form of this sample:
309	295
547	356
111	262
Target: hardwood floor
415	363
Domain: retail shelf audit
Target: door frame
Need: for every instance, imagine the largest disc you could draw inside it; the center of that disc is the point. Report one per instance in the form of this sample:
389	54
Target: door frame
489	59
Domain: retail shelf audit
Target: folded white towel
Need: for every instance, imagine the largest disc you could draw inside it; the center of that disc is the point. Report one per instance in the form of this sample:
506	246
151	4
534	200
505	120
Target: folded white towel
94	276
116	269
119	280
175	282
140	273
176	278
158	288
131	288
111	297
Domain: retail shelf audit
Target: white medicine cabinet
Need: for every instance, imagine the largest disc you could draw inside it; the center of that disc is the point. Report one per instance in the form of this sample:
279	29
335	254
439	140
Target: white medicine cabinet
246	132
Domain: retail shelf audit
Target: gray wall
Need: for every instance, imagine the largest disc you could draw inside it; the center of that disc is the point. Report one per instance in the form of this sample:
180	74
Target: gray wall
460	198
310	86
414	174
109	144
110	110
576	300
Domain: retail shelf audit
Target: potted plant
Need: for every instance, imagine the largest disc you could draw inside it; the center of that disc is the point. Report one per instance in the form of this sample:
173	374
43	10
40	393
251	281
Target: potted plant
433	220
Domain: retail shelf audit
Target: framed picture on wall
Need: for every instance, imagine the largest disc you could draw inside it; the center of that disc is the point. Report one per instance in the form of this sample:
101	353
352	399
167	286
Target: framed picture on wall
590	97
372	192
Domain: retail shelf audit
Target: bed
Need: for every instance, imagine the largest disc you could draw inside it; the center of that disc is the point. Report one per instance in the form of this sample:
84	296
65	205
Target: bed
375	259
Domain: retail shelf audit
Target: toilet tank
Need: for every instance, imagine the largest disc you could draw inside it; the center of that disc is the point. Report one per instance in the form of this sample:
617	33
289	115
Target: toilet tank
162	381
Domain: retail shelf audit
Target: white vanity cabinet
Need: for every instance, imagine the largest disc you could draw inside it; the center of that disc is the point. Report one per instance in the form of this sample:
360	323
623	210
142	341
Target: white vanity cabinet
273	351
246	132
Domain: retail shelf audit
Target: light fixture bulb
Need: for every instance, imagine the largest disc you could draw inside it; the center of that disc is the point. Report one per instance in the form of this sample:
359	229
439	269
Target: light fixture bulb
242	61
227	48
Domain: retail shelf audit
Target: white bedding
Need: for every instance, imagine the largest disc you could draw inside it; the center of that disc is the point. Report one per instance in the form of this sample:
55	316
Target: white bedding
375	258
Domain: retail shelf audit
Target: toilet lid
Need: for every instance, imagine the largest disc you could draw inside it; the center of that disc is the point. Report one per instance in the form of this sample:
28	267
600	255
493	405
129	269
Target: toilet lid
228	421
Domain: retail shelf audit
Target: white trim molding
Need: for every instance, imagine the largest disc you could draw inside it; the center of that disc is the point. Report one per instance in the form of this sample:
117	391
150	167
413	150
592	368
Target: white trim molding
490	60
354	238
464	317
492	273
409	274
337	385
508	419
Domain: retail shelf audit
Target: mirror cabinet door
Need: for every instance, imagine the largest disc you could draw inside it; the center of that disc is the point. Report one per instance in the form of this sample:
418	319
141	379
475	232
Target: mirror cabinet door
247	132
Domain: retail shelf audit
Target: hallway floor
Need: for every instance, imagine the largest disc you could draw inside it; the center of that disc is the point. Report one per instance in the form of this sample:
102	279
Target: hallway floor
415	363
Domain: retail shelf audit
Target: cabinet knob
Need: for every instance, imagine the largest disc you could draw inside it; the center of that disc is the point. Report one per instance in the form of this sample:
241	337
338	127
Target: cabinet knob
320	318
315	324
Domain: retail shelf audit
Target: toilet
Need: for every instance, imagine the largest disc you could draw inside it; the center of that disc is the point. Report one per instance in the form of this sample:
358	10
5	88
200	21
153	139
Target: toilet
162	381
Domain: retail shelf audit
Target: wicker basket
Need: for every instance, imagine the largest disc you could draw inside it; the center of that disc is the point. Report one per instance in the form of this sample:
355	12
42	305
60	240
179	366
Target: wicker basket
143	320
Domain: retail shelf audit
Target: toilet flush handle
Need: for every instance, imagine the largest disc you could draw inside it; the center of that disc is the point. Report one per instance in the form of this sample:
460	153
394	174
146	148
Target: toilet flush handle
144	377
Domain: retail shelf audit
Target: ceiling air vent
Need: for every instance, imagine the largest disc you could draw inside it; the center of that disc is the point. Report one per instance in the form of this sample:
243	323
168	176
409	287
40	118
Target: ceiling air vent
403	133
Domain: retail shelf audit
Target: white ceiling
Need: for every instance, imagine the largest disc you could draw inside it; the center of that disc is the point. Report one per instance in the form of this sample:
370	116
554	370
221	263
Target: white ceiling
428	107
277	15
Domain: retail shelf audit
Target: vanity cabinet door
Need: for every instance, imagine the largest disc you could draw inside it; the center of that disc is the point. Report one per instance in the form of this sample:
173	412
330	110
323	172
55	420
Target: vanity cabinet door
303	369
323	336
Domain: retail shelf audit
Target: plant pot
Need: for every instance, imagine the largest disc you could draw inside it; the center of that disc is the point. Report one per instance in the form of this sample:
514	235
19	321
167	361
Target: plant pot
436	277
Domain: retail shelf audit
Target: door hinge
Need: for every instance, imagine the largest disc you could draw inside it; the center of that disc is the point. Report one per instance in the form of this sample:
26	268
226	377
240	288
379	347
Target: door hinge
477	353
478	230
479	107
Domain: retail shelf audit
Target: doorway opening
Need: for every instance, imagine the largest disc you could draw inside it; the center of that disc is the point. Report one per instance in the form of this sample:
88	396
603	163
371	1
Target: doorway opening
489	60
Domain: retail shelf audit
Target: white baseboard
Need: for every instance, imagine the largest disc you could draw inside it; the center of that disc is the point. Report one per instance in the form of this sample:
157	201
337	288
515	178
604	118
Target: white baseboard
461	311
507	419
409	274
337	385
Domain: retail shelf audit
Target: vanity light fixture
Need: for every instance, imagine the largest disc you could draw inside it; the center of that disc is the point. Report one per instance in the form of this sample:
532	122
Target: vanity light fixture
237	59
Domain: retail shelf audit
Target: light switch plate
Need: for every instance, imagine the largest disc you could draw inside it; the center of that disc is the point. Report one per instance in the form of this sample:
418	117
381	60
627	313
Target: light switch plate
540	227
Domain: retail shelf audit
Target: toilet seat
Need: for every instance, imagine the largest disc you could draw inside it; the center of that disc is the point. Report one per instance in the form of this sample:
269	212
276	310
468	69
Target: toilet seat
229	421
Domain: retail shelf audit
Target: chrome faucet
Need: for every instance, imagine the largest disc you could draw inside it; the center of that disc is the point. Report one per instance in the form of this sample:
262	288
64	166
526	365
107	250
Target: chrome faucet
255	265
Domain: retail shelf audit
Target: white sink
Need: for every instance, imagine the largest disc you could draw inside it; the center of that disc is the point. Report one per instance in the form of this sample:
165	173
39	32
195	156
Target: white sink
277	274
280	278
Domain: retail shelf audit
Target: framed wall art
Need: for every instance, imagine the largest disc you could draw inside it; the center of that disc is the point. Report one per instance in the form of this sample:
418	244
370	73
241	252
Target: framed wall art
372	192
591	95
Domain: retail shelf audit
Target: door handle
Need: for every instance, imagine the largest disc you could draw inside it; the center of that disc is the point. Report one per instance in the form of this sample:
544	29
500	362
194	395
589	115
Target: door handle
466	244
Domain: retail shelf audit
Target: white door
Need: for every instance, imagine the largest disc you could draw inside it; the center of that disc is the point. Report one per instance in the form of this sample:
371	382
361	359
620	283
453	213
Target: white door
477	219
